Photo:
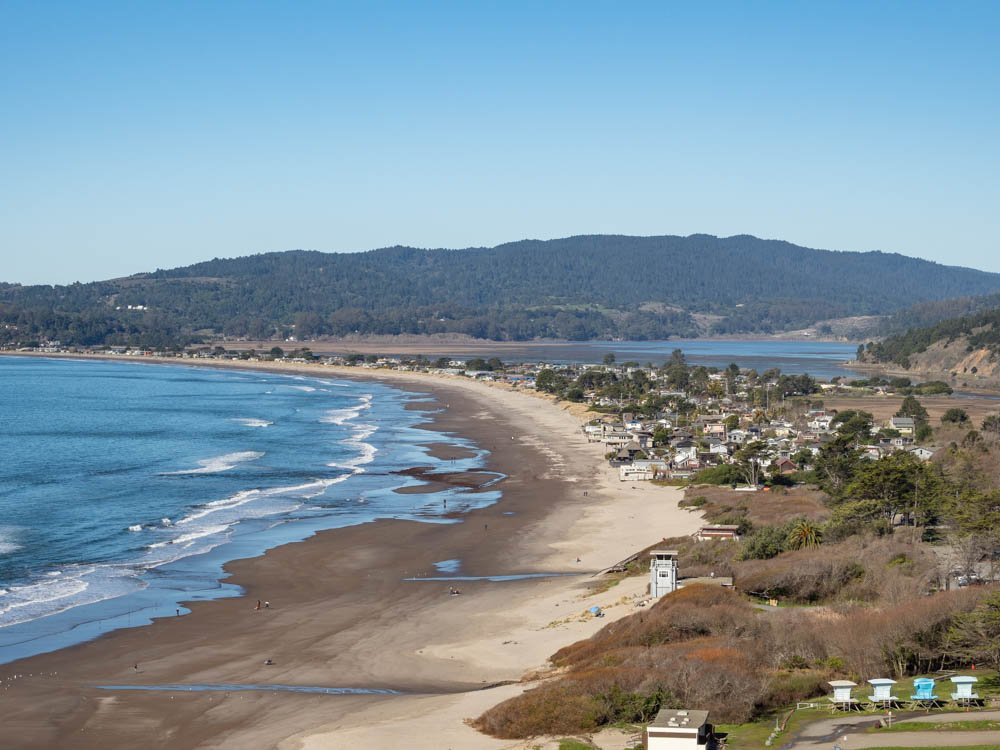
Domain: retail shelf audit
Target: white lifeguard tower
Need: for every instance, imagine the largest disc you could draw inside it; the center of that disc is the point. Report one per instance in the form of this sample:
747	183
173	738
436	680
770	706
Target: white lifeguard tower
963	689
841	698
883	697
662	572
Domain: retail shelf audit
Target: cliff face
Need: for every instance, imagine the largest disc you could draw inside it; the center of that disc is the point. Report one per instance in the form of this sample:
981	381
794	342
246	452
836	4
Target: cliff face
954	362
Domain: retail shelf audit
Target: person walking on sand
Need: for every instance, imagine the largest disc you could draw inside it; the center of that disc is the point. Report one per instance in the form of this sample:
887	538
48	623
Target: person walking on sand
258	605
135	667
267	605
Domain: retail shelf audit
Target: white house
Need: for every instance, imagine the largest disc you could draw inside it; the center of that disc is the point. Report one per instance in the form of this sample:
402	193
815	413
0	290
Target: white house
678	730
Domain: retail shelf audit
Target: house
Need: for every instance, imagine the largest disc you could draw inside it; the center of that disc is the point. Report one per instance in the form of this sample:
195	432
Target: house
786	466
715	531
679	730
924	454
643	470
903	425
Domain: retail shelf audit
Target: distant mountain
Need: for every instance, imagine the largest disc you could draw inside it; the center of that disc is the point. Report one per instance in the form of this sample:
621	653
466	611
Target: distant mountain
578	288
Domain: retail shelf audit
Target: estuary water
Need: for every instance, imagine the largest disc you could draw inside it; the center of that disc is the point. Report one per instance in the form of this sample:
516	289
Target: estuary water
821	359
124	487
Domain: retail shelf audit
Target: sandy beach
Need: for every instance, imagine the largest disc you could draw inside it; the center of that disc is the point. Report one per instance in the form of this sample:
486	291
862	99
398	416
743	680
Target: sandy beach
342	614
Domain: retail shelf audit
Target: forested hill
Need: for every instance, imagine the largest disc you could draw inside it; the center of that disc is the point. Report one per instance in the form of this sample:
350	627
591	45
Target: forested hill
598	286
971	341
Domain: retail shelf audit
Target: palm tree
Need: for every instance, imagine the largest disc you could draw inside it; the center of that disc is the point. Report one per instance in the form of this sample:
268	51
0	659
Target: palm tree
804	533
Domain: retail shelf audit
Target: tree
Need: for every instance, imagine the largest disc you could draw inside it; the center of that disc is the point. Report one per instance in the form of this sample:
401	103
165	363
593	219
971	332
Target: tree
803	457
853	424
913	409
764	543
731	422
277	352
955	415
884	487
803	534
609	358
749	461
546	381
991	424
476	363
494	363
836	463
441	363
975	636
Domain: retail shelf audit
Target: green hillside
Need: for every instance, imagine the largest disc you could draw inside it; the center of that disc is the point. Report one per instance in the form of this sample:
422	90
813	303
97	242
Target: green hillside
576	288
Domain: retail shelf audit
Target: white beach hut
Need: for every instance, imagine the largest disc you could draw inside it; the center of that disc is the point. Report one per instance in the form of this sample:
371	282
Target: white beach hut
841	697
882	687
963	689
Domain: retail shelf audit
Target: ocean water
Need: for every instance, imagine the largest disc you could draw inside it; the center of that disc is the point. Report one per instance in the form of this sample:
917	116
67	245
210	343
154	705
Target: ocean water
125	487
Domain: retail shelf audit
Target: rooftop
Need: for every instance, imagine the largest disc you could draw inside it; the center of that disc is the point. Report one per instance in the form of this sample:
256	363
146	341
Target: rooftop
670	717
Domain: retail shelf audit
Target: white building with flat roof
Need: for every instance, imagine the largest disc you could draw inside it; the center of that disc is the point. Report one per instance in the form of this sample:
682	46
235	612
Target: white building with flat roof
678	730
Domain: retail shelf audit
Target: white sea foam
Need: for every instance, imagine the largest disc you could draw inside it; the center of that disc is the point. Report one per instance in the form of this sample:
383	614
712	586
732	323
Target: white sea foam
306	388
219	463
251	422
8	540
74	586
340	416
166	522
135	527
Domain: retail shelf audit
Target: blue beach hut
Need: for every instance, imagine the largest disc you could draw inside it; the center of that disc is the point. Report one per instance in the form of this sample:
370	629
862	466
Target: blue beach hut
963	689
924	689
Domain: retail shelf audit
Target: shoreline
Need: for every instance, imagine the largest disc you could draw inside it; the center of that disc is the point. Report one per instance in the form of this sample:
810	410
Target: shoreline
344	617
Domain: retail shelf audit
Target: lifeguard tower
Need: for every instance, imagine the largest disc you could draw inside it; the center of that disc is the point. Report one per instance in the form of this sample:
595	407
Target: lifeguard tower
662	572
925	697
841	698
883	697
963	694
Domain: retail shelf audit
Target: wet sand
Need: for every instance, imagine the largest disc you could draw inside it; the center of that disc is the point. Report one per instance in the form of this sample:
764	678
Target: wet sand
343	616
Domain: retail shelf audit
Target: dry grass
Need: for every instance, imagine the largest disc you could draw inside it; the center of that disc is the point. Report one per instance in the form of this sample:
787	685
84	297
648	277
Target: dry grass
775	507
883	407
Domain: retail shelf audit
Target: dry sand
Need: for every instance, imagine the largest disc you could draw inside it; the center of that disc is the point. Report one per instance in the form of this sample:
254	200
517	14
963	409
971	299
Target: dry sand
342	615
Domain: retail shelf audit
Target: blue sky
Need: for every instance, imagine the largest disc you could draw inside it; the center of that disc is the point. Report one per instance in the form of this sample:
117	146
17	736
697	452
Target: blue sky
143	135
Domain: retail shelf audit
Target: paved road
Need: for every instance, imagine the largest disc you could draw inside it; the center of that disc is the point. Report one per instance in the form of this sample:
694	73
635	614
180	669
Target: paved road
829	732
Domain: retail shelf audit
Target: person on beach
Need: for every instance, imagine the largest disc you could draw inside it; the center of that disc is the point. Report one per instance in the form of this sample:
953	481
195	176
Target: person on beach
258	605
135	667
267	605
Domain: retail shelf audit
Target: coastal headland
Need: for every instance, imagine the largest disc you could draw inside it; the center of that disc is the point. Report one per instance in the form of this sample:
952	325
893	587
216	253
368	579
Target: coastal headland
342	613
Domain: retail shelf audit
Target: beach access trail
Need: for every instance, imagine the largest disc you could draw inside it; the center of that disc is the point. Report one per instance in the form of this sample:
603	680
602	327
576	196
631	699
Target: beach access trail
342	614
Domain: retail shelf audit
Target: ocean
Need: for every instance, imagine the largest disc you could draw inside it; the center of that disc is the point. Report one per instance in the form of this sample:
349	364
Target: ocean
124	487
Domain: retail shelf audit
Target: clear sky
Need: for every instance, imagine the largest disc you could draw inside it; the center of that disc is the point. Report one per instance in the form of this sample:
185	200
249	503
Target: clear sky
137	135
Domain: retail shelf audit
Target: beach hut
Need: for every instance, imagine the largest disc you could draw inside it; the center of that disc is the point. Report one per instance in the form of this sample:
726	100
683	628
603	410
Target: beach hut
963	689
883	697
925	697
841	698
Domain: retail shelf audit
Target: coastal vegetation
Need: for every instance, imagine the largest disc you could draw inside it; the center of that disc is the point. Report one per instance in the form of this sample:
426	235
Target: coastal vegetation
577	288
857	553
977	332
